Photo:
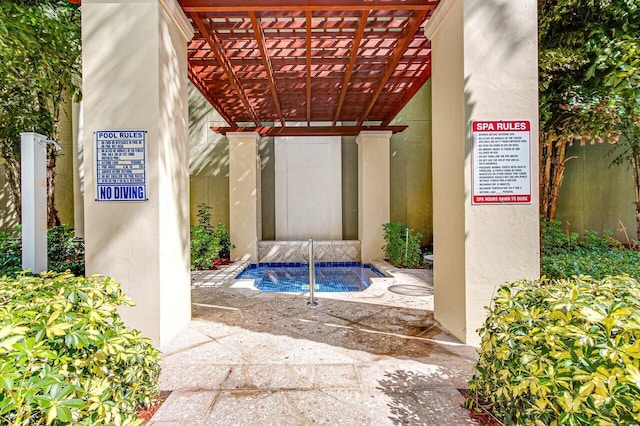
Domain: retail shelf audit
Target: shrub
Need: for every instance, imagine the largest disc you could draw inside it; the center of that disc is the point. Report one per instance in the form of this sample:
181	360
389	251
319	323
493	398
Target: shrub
10	252
64	251
402	245
224	240
554	240
564	256
204	248
208	243
65	355
562	352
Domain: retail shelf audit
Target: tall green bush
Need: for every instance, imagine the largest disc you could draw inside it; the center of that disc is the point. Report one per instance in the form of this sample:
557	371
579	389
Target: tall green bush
65	355
402	246
562	353
208	243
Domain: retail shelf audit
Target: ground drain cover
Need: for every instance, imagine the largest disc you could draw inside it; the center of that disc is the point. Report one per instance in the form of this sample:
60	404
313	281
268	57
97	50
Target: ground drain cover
411	290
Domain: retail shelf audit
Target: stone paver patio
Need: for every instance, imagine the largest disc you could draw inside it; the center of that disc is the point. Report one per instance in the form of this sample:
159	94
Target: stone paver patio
371	358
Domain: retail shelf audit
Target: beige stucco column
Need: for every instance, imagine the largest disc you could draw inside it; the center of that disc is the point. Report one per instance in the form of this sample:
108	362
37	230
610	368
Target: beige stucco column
245	224
135	78
373	191
484	68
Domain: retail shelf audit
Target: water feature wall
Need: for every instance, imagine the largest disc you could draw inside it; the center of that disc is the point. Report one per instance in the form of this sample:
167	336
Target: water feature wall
298	251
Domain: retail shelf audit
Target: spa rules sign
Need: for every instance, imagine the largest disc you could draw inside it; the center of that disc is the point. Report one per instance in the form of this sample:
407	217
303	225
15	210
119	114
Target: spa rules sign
501	162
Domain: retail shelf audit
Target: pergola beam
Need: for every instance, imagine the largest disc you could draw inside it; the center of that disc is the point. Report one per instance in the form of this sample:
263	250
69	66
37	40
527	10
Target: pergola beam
191	6
309	130
308	19
204	89
362	23
215	45
408	94
412	26
257	30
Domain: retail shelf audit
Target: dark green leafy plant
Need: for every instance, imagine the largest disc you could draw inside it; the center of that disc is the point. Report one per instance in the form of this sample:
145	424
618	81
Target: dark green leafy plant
402	246
204	248
208	243
224	240
64	251
10	252
561	353
598	256
65	355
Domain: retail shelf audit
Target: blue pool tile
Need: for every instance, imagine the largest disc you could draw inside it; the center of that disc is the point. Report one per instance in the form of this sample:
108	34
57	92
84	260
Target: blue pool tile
280	277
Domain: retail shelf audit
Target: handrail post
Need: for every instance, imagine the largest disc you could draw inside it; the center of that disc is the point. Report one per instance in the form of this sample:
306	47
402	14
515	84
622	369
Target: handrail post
312	275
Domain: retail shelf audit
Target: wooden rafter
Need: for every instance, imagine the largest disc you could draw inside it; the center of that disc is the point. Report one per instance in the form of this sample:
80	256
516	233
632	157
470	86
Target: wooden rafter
257	30
309	130
202	87
412	25
308	27
303	5
407	95
362	23
215	45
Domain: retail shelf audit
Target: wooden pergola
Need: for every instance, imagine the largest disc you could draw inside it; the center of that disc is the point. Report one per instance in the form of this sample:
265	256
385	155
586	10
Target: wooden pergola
351	65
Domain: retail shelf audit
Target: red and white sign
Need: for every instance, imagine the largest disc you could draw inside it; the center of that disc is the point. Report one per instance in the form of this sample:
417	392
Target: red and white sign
501	162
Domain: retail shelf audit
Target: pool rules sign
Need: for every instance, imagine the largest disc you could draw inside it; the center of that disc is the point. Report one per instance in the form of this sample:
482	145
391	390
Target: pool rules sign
501	162
121	173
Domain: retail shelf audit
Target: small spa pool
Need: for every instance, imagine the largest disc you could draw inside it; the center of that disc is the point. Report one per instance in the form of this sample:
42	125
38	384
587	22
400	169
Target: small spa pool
294	277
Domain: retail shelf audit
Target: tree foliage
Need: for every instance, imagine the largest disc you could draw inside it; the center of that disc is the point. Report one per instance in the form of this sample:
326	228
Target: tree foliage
589	67
39	66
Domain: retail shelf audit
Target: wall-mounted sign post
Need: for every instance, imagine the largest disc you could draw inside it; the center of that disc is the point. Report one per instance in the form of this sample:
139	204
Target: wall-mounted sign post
501	162
121	165
34	201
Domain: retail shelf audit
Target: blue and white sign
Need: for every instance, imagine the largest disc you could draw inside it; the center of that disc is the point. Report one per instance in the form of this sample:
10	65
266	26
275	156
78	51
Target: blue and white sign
121	173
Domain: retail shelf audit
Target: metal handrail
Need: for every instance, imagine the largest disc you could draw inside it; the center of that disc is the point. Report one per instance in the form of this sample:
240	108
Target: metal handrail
312	275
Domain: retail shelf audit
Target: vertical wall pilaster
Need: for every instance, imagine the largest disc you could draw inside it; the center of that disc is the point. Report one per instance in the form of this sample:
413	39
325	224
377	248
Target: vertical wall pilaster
373	191
245	220
484	68
135	78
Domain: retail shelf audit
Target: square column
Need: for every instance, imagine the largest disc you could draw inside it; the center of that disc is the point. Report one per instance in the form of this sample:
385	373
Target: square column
135	78
373	191
245	218
484	68
34	201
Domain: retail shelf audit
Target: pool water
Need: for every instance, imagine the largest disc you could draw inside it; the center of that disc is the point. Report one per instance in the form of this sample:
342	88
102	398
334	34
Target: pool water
294	277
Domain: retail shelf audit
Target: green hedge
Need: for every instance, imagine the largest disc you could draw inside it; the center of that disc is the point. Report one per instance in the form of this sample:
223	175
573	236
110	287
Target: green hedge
562	352
65	355
565	255
64	251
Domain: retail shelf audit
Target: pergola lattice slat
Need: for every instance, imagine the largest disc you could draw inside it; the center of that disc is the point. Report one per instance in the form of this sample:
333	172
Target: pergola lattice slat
350	61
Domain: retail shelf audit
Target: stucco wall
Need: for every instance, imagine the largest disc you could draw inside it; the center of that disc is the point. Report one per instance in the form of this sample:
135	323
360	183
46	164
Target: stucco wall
411	181
410	157
596	196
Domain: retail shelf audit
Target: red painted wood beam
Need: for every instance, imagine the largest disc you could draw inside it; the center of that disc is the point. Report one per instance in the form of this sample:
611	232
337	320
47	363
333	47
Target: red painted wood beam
257	30
303	5
308	16
408	94
193	77
215	45
403	43
355	46
309	130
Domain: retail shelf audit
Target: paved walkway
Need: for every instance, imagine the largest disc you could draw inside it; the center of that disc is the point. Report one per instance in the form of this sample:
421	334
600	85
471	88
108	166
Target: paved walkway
370	358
